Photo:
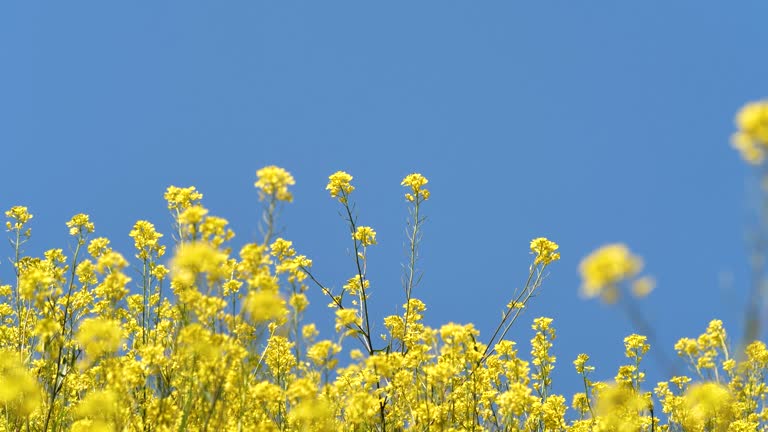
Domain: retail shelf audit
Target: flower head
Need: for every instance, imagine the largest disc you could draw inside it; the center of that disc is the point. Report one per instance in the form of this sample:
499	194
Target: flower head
416	182
20	216
80	224
339	185
146	239
274	181
365	235
264	306
99	336
544	250
182	198
751	139
604	268
20	391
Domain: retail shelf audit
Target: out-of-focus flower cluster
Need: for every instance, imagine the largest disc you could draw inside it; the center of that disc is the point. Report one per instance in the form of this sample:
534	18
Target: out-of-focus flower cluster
751	138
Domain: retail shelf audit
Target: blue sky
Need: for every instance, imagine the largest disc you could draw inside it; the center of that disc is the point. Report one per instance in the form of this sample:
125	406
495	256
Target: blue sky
585	122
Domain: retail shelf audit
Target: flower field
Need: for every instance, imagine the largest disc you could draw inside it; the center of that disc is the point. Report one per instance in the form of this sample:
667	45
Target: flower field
200	337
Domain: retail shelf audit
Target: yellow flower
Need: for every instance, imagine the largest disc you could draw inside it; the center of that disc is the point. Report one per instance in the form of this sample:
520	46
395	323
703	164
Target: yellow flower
20	216
322	353
198	257
99	246
20	391
347	318
182	198
365	235
618	408
416	182
354	285
264	306
708	404
635	346
752	137
339	185
544	250
146	239
80	223
99	336
309	332
606	267
274	181
581	364
282	249
99	404
193	215
752	119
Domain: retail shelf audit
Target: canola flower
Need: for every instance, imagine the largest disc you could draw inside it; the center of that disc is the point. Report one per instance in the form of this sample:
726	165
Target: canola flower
211	340
339	185
416	183
273	181
365	235
604	269
751	139
544	250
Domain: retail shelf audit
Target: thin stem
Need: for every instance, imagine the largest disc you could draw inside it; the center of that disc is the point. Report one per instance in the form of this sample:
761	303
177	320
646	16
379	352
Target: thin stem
361	278
413	237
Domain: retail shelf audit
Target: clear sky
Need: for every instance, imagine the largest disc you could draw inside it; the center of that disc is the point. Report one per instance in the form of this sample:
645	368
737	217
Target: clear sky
585	122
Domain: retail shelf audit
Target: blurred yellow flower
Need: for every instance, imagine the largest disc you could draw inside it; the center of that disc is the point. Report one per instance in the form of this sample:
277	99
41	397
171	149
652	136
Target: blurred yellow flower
19	391
604	268
99	336
751	139
274	181
264	306
195	258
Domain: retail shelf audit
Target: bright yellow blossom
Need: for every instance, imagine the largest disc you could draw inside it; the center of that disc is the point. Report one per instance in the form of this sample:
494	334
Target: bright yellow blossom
416	182
339	185
544	250
346	318
80	224
365	235
146	240
182	198
20	216
98	247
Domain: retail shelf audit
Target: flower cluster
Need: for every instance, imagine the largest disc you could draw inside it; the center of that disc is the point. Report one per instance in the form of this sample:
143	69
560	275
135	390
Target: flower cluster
544	250
607	267
339	185
217	341
273	181
416	182
751	139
